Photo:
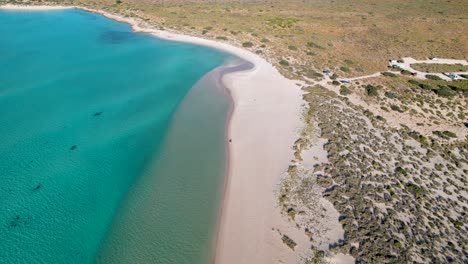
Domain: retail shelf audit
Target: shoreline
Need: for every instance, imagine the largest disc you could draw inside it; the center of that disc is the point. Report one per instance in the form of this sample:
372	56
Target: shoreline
263	123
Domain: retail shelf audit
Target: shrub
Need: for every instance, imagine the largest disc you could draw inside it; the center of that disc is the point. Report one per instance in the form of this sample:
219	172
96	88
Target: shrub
221	38
335	82
388	74
406	72
118	1
425	86
413	82
284	62
396	108
464	76
208	28
449	134
400	170
444	91
371	90
247	44
390	95
416	190
344	69
289	242
349	62
292	47
444	134
264	40
433	77
313	45
344	90
397	243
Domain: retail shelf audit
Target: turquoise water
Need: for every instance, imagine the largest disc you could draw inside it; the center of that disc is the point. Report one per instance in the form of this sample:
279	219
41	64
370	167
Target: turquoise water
106	153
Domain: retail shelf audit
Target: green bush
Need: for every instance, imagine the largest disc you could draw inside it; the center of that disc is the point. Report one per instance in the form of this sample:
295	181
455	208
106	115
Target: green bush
388	74
406	72
335	82
344	69
284	62
264	40
118	1
400	170
247	44
444	91
292	47
221	38
425	86
396	108
390	95
449	134
371	90
444	134
349	62
416	190
413	82
433	77
313	45
344	90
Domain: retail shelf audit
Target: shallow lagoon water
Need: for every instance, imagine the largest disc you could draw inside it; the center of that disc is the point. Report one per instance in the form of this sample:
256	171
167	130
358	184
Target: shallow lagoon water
107	154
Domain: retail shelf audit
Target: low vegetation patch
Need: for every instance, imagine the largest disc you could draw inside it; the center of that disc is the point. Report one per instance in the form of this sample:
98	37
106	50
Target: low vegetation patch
344	69
372	90
289	242
390	95
311	44
247	44
445	134
430	67
444	91
406	72
278	22
284	62
389	74
433	77
344	90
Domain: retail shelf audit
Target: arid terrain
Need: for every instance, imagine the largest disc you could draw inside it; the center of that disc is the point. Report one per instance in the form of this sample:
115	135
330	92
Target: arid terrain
381	161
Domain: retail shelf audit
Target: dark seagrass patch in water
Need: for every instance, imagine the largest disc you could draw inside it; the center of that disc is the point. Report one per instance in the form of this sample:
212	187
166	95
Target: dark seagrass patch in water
116	37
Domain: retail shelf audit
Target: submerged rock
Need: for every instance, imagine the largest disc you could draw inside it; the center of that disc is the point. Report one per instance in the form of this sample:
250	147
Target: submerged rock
73	147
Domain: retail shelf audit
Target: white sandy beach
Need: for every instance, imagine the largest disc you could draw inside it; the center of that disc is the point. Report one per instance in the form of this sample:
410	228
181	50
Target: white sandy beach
263	128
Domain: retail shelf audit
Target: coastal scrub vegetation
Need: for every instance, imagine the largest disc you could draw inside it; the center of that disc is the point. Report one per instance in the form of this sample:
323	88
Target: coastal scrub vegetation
400	194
